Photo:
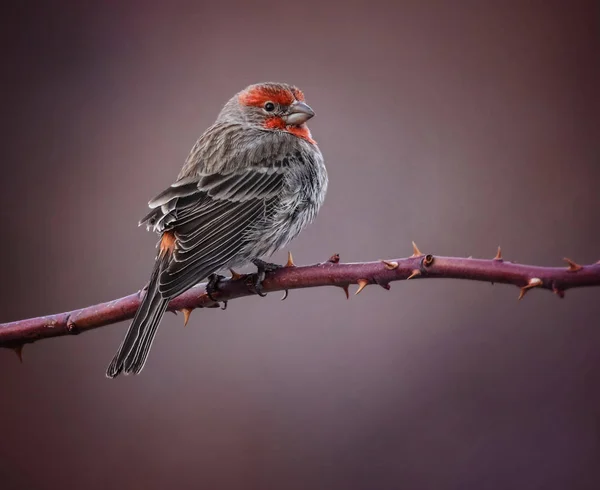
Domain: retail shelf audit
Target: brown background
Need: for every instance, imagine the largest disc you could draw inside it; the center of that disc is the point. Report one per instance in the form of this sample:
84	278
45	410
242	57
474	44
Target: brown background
461	125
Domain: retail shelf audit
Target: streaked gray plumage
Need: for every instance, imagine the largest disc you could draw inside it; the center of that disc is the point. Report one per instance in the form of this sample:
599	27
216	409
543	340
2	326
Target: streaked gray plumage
251	183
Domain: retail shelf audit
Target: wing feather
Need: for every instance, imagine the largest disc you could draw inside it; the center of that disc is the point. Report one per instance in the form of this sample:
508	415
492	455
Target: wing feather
211	215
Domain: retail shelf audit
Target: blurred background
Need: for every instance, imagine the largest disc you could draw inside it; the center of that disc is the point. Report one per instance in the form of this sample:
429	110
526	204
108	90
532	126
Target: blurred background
460	125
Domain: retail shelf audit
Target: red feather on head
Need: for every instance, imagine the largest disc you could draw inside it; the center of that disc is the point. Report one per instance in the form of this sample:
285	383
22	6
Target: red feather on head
258	96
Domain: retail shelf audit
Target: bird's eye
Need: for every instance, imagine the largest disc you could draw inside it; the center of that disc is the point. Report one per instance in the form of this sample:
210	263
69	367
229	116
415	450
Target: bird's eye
269	107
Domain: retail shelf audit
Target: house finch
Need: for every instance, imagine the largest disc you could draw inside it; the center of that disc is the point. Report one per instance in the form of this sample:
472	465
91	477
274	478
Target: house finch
251	183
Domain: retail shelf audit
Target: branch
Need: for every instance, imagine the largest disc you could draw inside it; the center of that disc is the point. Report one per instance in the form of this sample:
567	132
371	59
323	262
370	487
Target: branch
331	273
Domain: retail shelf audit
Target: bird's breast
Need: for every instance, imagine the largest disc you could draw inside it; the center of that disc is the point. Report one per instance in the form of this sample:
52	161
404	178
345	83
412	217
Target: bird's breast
298	203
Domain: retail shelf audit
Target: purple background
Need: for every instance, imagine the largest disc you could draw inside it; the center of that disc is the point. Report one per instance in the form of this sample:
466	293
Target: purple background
460	125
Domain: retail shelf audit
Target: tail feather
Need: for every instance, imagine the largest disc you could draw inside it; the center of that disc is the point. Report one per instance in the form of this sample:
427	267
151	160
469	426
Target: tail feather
133	352
138	355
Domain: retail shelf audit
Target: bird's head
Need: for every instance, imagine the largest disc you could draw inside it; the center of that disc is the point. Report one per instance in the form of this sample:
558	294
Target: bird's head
274	107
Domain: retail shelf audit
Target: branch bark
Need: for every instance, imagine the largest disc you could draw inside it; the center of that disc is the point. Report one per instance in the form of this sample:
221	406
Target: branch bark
331	273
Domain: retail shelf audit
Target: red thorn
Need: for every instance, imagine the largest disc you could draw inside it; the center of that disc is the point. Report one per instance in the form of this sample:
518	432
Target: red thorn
415	273
390	265
559	292
290	260
386	286
186	315
573	267
499	255
235	276
416	251
346	290
334	259
362	284
534	282
19	352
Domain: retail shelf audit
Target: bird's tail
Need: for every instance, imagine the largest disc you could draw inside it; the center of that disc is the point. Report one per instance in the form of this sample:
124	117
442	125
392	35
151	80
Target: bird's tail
133	352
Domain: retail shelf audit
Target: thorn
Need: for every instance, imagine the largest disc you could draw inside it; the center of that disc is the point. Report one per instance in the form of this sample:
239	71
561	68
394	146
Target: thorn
415	273
362	284
499	255
173	311
559	292
224	305
235	276
534	282
186	315
71	327
573	267
290	261
334	259
385	285
19	352
345	288
416	251
285	295
390	265
470	257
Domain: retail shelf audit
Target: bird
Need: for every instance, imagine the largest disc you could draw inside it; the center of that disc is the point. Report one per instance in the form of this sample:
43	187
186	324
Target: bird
250	184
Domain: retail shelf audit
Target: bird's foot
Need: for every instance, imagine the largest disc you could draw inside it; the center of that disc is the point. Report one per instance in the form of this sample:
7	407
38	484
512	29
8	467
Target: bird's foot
261	272
212	287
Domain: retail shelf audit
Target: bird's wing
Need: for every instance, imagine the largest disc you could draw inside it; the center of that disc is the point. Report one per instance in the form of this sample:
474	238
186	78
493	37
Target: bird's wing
209	217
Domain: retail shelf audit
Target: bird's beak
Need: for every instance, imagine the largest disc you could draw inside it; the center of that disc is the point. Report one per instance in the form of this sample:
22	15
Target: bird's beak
299	113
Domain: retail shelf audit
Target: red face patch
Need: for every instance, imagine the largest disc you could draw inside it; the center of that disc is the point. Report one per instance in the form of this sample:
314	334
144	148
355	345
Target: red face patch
299	131
275	123
302	132
259	96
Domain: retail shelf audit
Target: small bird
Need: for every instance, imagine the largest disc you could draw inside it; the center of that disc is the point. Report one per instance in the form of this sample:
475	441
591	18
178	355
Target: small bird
250	184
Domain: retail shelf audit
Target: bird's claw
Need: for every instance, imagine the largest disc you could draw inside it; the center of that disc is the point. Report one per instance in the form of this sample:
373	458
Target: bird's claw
261	272
212	286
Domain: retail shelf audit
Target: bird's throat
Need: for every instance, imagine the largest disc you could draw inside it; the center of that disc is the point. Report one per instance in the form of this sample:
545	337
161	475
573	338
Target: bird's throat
301	131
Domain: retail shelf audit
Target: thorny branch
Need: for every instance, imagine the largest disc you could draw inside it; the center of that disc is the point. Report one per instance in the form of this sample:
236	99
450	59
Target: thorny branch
331	273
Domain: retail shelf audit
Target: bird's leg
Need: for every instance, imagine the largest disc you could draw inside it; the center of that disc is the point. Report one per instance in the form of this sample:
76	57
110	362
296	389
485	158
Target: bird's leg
212	286
262	269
